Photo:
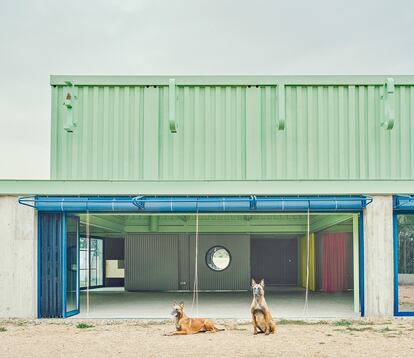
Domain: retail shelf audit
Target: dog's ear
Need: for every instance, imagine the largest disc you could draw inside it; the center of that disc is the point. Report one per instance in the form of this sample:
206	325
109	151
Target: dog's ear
253	282
182	304
262	282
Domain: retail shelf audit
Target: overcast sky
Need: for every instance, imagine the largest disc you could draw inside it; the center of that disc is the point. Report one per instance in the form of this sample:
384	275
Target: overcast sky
39	38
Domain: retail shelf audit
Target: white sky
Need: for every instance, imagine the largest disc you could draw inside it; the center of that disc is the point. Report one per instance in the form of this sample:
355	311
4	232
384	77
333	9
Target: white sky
39	38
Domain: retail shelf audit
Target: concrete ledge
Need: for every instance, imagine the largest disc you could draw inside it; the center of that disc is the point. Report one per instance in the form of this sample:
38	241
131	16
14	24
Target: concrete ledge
205	187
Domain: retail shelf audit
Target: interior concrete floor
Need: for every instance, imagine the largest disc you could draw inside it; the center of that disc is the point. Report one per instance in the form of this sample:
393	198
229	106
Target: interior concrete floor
284	303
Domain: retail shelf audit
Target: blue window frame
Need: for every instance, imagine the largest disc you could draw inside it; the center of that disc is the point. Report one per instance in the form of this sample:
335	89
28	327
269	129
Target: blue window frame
58	265
403	240
361	265
70	269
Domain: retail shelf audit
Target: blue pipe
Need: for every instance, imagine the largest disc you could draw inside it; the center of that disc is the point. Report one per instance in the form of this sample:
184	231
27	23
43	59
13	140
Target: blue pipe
253	203
181	204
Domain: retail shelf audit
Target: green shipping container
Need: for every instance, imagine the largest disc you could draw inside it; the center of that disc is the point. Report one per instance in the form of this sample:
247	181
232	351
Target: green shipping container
232	128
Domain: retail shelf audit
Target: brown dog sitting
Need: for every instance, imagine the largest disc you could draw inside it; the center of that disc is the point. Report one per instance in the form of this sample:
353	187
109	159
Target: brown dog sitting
187	325
262	318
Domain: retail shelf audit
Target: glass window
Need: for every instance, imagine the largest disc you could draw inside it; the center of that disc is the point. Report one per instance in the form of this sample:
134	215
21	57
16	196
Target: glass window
93	278
405	263
83	278
218	258
91	262
99	263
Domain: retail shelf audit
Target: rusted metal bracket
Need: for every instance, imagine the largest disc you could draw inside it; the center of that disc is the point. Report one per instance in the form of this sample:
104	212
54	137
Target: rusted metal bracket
388	104
70	95
172	106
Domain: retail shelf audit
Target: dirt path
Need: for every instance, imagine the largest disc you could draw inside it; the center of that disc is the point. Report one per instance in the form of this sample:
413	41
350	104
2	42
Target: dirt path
406	297
56	338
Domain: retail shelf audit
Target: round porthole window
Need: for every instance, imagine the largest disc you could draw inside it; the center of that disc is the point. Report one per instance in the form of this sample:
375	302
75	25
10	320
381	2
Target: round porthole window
218	258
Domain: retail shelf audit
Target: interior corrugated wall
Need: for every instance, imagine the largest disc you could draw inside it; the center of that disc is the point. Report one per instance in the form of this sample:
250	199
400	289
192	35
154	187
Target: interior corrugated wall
151	262
236	276
163	261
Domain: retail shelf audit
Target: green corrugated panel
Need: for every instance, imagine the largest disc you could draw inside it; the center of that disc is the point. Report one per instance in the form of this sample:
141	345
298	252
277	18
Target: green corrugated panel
229	133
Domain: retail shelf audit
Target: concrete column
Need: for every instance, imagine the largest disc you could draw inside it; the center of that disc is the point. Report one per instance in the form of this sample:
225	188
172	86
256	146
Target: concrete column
378	254
18	255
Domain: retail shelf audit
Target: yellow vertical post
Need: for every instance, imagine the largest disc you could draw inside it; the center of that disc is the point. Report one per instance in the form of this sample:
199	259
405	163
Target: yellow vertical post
303	253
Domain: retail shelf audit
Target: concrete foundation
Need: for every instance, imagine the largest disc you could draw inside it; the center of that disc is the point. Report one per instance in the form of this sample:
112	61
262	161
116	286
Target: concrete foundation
378	253
18	265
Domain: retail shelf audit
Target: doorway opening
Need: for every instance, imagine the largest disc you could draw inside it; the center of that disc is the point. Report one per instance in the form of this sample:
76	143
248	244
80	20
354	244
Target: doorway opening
148	261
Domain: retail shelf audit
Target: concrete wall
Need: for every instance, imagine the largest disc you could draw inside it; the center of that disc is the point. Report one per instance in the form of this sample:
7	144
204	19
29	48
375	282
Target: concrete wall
18	266
378	250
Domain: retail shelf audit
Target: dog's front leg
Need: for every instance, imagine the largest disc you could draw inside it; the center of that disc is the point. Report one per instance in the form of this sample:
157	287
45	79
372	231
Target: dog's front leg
272	327
169	334
254	324
267	322
178	333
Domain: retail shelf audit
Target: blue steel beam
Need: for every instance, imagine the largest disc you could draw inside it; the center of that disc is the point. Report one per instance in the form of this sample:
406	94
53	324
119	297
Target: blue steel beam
404	202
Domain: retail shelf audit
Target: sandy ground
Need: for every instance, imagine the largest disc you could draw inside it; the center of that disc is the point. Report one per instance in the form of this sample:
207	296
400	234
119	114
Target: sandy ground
128	338
406	297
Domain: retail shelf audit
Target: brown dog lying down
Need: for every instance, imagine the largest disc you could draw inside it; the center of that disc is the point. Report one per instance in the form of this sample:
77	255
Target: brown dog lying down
261	316
187	325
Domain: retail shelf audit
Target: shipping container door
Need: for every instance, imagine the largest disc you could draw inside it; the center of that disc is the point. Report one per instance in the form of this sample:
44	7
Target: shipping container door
274	260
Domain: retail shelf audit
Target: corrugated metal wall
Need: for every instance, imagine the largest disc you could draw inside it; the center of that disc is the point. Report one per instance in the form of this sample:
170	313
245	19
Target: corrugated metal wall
229	133
151	262
184	269
163	262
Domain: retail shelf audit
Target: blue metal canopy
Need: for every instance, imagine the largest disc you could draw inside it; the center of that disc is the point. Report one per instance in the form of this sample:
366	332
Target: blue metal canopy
192	204
404	202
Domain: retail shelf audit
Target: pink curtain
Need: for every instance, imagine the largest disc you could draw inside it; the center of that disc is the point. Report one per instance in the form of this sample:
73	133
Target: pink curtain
335	262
